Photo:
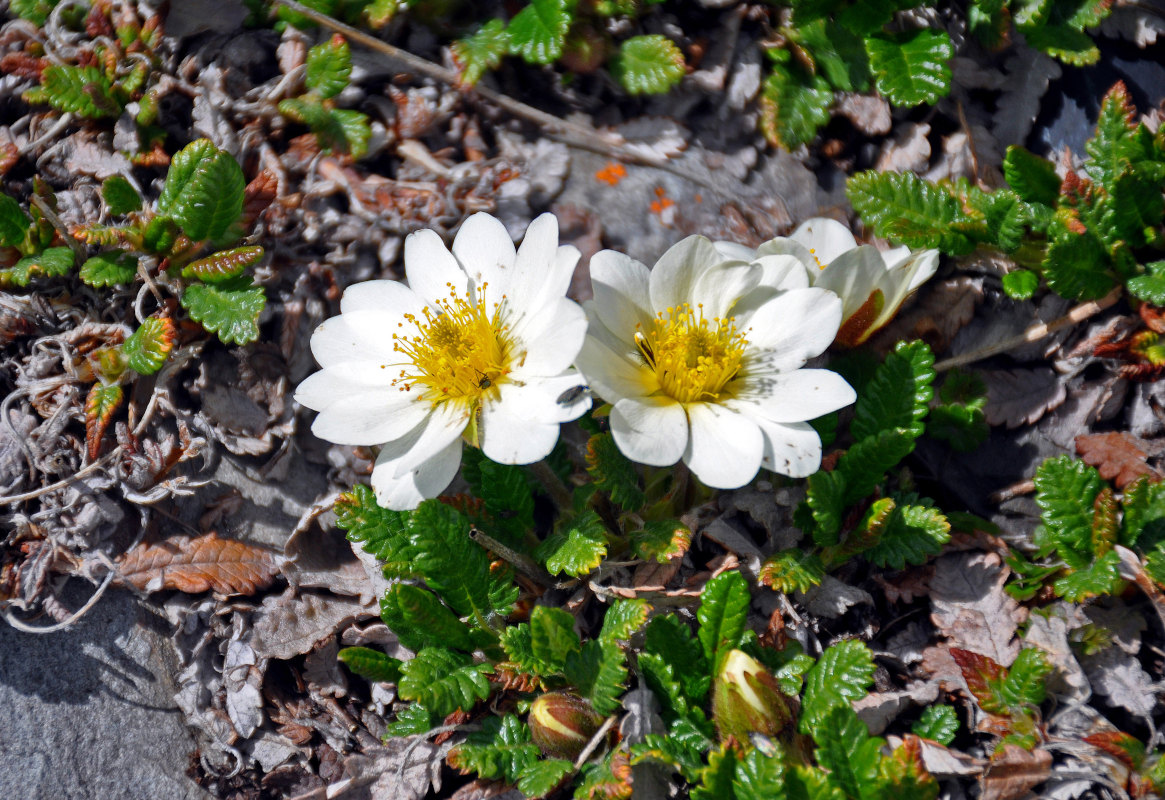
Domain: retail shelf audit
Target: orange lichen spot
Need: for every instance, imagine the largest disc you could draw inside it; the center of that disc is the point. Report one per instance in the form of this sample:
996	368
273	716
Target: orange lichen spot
612	173
662	201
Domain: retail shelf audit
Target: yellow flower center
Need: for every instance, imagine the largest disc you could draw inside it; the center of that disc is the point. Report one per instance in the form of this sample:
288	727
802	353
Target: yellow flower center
694	358
460	352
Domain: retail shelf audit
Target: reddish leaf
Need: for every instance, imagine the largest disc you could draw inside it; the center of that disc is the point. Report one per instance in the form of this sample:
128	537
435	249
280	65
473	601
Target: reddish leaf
224	264
1118	456
258	195
102	401
983	676
1119	745
196	565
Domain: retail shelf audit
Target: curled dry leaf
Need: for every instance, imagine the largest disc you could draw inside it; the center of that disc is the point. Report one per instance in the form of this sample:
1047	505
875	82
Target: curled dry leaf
1117	455
1014	771
196	565
1021	396
970	607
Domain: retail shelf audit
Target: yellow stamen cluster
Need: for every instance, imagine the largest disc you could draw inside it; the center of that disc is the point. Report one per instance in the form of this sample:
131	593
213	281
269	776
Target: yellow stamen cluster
694	358
816	260
460	353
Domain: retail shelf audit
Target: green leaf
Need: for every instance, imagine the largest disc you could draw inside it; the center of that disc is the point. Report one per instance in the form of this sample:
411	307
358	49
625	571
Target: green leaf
147	348
538	31
329	67
939	723
107	269
809	783
230	309
222	266
650	64
846	749
790	676
371	664
203	191
507	495
597	672
793	570
1026	679
794	104
35	11
1144	514
865	464
910	535
716	778
838	54
904	207
911	67
899	394
623	619
84	91
964	428
14	223
540	778
579	550
1030	13
481	52
722	615
614	474
422	611
345	131
1077	266
1101	577
160	235
552	637
55	261
1021	284
443	681
669	638
369	524
120	196
1114	147
102	400
1150	286
661	540
1033	178
844	673
825	497
1066	490
683	747
502	750
1154	564
411	720
760	776
1062	42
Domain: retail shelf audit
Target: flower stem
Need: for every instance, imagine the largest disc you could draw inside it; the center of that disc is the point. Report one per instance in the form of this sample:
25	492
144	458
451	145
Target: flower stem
553	484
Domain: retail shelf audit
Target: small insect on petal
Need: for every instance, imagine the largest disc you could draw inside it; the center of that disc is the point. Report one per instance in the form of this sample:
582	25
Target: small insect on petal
573	395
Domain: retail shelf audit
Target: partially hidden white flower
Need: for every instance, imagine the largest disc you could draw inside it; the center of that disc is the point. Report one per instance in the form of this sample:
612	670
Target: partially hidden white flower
701	358
872	284
478	347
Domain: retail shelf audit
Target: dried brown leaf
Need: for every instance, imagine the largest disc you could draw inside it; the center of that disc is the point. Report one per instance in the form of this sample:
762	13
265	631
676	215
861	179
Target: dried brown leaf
199	564
1118	456
1021	396
1014	771
290	624
970	607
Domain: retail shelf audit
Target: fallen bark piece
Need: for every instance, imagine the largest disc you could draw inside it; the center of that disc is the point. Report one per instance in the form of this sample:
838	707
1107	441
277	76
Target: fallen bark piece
199	564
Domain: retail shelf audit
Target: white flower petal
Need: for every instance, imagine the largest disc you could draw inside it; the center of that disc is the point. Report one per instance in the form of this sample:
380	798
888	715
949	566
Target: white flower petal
895	255
824	238
370	417
406	492
321	389
431	268
734	252
784	246
650	430
792	449
384	297
725	447
611	375
792	328
853	277
444	425
486	251
678	272
358	336
511	431
552	338
720	287
796	396
620	286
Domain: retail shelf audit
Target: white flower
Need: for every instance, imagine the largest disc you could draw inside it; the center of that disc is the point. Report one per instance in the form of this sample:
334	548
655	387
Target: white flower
872	284
701	359
478	345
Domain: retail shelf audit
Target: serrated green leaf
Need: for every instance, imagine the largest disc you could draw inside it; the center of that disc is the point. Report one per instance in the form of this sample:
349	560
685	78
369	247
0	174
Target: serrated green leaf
843	674
422	611
661	540
411	720
160	234
443	681
1114	147
865	464
1030	13
507	495
911	535
229	309
722	615
810	783
540	778
1143	523
1066	490
35	11
371	664
846	749
1026	678
119	195
760	776
790	676
715	781
939	723
85	91
53	262
502	750
222	266
614	474
14	223
329	67
1021	284
1033	178
538	31
147	348
964	428
1150	286
108	269
623	619
102	400
597	671
1065	43
576	551
481	52
911	67
203	191
650	64
793	570
906	208
367	523
1154	564
344	131
899	394
838	54
825	497
1077	266
552	637
669	638
682	748
794	105
1101	577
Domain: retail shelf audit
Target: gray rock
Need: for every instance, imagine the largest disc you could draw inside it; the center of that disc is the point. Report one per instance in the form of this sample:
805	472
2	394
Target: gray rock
89	712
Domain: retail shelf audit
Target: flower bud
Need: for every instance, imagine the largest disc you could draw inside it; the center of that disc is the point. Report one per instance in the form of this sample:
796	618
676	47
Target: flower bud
746	699
562	724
